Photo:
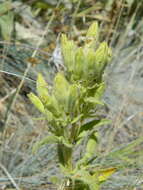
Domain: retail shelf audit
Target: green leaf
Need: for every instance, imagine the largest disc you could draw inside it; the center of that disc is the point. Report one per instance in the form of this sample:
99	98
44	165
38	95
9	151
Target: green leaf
93	31
90	126
81	137
105	174
64	141
89	65
37	102
68	52
83	176
42	88
99	92
93	101
61	91
79	66
102	56
92	36
47	140
90	150
73	99
53	106
103	122
49	115
102	174
96	95
91	145
76	119
102	53
94	123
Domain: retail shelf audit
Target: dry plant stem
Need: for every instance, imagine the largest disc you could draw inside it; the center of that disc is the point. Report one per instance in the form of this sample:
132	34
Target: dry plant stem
9	176
7	96
17	75
117	23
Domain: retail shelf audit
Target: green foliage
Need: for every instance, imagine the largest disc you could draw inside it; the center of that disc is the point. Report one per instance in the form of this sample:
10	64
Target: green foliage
37	102
86	64
69	104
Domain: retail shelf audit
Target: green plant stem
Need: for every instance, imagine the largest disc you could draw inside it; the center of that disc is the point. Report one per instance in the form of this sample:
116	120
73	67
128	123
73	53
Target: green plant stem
65	156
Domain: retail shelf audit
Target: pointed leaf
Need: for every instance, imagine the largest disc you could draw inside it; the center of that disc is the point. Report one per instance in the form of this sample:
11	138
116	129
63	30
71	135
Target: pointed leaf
102	53
68	51
99	92
64	141
49	115
93	30
89	63
61	89
76	119
106	173
81	137
93	101
74	96
92	36
86	179
37	102
79	64
91	145
42	89
94	123
102	56
83	175
52	106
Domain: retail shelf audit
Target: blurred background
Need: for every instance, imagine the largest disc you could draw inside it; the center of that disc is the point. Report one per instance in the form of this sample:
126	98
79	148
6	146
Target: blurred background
29	44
